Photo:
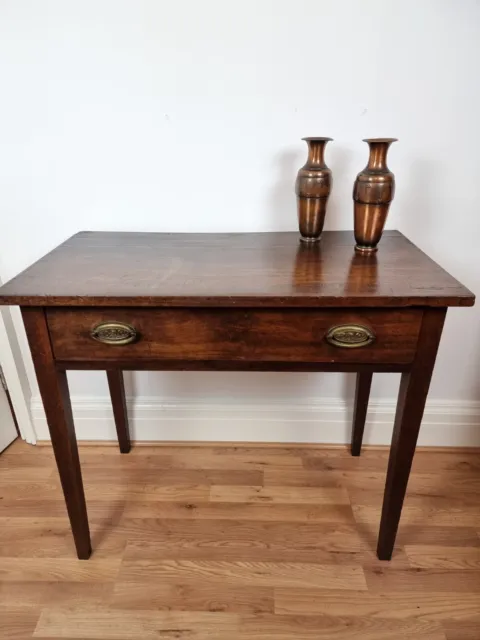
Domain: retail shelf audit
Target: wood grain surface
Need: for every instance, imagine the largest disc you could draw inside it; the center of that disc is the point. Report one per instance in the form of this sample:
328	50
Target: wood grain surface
233	270
247	543
234	335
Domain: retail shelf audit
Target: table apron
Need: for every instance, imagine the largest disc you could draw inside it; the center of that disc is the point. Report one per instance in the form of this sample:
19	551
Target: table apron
198	365
240	339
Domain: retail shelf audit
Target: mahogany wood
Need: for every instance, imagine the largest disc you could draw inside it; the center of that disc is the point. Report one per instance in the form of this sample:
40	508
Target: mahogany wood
53	387
239	302
247	335
118	269
414	387
119	405
362	393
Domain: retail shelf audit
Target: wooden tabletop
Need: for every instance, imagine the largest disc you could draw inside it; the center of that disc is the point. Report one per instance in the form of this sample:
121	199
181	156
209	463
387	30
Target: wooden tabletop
236	269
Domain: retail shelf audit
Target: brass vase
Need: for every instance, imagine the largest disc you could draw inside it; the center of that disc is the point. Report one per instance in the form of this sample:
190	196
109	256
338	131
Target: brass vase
372	194
313	186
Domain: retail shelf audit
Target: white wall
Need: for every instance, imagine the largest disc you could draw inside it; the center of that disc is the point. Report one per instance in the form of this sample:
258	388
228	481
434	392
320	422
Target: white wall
149	115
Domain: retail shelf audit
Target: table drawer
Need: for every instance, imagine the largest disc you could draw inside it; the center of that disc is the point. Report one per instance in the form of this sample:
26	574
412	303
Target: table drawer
255	335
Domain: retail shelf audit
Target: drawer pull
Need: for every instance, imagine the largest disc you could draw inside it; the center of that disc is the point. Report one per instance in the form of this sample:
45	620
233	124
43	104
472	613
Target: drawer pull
114	333
350	336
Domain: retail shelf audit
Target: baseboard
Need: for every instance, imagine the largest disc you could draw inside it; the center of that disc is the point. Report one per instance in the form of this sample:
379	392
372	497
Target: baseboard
446	423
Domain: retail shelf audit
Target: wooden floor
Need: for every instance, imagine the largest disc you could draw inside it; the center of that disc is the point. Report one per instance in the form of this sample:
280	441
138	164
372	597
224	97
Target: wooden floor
239	543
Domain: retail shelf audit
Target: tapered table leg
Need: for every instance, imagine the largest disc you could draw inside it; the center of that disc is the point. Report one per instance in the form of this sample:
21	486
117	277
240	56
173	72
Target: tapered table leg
362	394
414	387
117	394
56	401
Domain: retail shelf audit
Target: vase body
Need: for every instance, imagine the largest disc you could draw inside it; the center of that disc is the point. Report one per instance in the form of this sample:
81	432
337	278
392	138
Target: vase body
372	194
313	186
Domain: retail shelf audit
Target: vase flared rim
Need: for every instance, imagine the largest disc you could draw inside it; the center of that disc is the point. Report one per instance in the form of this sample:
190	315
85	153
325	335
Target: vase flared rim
317	139
390	140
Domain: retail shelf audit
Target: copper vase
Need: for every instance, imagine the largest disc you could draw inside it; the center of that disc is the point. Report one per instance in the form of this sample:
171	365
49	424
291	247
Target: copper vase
372	194
313	186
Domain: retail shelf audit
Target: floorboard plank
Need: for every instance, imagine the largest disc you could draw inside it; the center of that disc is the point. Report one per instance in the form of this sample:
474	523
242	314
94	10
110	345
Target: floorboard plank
279	494
189	595
462	630
17	622
97	623
385	579
391	605
59	569
261	574
439	557
282	627
341	514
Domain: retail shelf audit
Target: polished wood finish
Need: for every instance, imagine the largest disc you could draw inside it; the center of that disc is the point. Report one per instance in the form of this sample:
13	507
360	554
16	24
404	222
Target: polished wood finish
246	335
239	302
313	187
53	387
258	567
373	193
117	394
118	269
362	394
414	387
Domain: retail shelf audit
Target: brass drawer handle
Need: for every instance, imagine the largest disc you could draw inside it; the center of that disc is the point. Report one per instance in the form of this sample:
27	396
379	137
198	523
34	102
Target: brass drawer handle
114	333
351	336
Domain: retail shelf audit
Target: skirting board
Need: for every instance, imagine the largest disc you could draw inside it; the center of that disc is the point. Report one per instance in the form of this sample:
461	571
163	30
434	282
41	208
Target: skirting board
445	423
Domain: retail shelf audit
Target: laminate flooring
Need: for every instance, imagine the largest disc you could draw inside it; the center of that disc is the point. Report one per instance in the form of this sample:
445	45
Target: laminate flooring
239	542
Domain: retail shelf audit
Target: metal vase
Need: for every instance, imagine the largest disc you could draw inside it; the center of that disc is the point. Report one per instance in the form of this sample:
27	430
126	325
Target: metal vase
313	186
372	194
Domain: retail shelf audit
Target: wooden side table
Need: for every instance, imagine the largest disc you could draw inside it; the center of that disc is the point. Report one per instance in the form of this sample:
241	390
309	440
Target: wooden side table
234	302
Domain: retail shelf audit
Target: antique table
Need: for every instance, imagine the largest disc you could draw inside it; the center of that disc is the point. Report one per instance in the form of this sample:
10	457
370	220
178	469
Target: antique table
234	302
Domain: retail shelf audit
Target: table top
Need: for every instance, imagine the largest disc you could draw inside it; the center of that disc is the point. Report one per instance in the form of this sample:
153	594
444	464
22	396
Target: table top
236	269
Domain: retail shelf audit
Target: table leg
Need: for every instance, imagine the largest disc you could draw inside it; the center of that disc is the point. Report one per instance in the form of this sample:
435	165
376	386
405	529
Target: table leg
362	393
414	387
117	394
56	401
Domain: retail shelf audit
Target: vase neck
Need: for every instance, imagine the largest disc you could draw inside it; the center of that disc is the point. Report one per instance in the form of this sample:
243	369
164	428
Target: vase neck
316	151
378	156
